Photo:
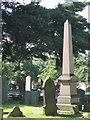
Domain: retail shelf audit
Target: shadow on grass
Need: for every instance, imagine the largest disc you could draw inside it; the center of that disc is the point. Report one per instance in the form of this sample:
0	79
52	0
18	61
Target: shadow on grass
40	105
20	105
16	116
71	116
5	112
66	116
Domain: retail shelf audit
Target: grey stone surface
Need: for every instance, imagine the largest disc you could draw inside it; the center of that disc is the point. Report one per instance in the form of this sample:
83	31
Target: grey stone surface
28	84
21	84
32	97
1	113
83	99
15	112
49	97
67	50
0	91
4	89
68	92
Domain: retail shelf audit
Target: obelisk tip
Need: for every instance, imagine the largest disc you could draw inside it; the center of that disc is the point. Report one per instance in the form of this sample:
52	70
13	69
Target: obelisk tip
67	22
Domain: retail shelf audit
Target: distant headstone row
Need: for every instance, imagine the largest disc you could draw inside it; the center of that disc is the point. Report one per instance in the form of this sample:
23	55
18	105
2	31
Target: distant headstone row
31	97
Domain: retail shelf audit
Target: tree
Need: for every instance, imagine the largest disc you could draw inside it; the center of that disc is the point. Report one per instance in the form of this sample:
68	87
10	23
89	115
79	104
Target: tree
81	67
32	30
50	70
15	71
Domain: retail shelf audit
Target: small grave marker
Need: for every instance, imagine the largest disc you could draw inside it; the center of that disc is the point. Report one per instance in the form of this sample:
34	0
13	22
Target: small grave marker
15	112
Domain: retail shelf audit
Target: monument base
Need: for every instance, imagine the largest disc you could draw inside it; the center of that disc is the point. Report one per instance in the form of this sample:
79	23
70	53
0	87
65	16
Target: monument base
68	100
67	109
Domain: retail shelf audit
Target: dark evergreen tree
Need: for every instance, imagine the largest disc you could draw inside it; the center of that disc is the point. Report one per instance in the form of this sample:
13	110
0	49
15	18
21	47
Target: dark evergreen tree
33	30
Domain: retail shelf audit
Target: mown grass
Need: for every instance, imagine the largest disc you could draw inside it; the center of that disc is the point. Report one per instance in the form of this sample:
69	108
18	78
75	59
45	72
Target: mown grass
32	111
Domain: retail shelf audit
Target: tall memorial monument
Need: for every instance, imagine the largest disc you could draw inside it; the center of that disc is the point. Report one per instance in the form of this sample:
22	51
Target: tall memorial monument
67	100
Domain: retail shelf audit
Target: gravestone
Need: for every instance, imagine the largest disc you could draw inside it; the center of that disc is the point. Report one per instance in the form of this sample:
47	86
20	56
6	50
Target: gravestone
81	90
0	91
28	83
13	85
1	114
49	107
21	84
88	94
4	89
15	112
1	110
83	100
67	100
32	97
27	90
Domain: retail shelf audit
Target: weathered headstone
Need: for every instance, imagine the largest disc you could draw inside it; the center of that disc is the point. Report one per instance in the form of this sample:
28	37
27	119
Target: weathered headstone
88	88
12	85
4	89
27	90
67	100
32	97
15	112
0	91
1	114
83	100
81	90
28	83
21	84
1	110
49	107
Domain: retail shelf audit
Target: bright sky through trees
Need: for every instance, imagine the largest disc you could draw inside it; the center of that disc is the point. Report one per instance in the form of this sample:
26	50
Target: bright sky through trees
54	3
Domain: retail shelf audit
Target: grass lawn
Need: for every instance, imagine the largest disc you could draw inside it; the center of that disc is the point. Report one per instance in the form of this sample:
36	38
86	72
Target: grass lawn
34	111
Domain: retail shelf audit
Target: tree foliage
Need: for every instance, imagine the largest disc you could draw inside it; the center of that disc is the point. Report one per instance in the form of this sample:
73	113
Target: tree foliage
81	67
32	30
50	70
16	70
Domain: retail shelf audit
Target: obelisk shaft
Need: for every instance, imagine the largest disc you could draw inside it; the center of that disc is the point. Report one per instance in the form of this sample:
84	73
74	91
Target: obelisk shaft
67	100
67	50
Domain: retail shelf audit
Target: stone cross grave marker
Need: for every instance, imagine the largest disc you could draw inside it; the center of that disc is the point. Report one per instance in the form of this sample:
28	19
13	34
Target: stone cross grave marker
49	97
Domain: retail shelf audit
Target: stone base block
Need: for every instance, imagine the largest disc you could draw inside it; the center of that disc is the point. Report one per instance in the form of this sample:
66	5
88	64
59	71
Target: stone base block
62	99
67	109
1	114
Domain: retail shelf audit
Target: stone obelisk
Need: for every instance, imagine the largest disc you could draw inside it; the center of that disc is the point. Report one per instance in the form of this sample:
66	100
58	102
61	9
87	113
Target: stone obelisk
67	100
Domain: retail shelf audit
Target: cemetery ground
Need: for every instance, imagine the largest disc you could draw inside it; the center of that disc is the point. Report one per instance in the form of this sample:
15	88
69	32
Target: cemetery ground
32	111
